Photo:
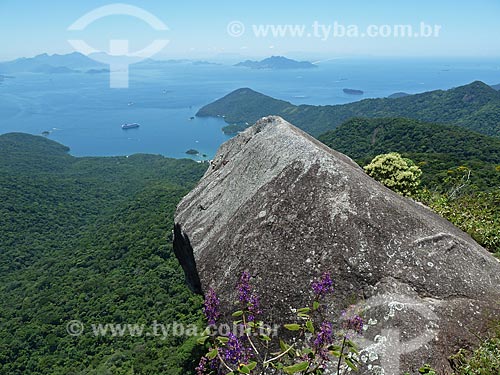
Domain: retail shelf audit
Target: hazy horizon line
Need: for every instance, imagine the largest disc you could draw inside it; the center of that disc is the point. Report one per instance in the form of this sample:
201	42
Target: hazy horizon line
313	55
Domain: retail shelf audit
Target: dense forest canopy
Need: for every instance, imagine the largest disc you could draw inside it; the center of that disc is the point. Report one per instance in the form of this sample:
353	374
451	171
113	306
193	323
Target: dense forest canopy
436	149
89	239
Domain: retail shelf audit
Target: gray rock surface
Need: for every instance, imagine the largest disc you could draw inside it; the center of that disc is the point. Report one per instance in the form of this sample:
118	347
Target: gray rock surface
283	206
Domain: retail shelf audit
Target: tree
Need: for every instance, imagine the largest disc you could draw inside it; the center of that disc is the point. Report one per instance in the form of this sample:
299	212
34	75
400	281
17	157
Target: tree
397	173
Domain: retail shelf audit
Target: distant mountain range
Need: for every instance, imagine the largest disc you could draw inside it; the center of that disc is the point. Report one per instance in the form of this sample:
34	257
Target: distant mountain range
277	62
475	106
76	62
45	63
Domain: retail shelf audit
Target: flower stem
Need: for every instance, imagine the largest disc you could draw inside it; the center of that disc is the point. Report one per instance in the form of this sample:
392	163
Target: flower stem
341	355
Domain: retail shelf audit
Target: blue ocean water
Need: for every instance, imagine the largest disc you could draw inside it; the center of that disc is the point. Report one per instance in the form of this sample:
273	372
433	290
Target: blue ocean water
82	112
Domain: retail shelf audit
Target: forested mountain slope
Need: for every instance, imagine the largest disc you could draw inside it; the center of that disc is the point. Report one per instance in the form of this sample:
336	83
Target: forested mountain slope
88	239
475	106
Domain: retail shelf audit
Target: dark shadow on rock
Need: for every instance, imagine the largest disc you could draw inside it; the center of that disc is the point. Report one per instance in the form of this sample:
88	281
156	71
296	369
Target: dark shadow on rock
184	253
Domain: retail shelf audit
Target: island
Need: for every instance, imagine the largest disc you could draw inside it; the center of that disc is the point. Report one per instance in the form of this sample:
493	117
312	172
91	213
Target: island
50	64
203	62
192	152
353	92
245	106
277	63
97	71
496	87
398	95
48	69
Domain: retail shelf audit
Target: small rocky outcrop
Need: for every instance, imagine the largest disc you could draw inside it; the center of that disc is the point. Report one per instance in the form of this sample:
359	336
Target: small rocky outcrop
283	206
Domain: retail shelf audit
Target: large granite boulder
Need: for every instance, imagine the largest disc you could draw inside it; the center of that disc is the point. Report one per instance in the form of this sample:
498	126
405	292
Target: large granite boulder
285	207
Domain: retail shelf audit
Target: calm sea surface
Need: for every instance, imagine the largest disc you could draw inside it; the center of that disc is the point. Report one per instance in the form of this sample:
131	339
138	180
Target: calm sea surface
82	112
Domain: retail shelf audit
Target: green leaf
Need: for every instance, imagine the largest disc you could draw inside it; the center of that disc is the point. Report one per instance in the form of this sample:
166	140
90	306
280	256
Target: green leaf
315	305
304	310
352	347
252	365
244	369
310	326
350	364
202	340
237	313
335	353
212	354
284	346
265	338
277	365
222	339
292	327
302	366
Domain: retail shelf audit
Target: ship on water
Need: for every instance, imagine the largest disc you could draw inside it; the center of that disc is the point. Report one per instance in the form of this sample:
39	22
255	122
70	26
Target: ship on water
130	126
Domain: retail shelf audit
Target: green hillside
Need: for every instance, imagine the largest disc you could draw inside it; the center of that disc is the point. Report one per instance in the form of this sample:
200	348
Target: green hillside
87	239
475	106
435	148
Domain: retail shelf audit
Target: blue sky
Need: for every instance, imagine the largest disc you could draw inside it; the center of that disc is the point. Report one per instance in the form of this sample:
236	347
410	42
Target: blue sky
199	28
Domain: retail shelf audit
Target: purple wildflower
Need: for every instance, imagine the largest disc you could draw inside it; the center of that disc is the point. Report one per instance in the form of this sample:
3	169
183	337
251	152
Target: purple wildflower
324	336
235	352
244	290
202	366
354	323
211	307
253	307
323	286
247	298
205	366
323	339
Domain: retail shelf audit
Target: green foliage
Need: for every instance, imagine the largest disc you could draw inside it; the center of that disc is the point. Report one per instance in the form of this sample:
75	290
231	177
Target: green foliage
485	360
86	239
475	106
234	129
436	149
477	213
397	173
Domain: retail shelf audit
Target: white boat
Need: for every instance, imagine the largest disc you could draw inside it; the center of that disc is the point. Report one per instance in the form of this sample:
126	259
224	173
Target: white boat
130	126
